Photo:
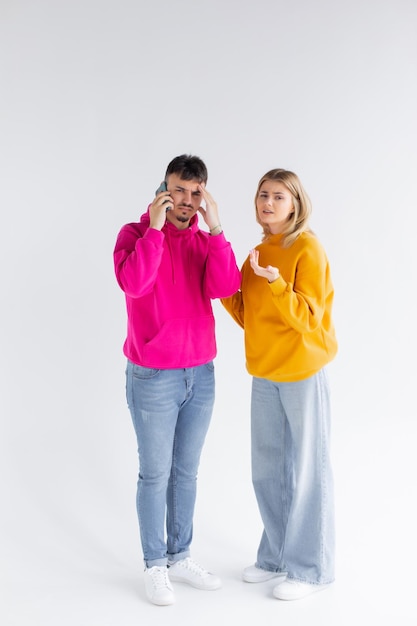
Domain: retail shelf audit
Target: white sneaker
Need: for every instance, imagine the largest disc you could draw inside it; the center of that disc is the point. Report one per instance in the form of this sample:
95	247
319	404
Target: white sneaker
158	587
295	590
188	571
255	574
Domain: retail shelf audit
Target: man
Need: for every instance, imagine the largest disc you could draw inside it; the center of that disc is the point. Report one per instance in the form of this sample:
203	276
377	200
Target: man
170	270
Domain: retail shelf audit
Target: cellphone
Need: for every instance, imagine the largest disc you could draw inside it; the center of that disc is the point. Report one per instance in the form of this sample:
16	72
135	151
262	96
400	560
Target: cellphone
163	187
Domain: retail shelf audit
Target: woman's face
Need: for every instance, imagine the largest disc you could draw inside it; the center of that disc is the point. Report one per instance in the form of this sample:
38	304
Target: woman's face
274	205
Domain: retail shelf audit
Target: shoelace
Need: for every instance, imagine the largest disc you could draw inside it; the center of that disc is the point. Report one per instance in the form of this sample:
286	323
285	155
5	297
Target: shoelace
159	576
193	567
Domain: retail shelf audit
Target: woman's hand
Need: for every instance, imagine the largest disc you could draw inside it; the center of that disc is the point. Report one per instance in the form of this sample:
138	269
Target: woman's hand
268	272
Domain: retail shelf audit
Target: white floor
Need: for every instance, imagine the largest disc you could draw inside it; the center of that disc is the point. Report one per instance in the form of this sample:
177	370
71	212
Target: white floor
84	584
70	552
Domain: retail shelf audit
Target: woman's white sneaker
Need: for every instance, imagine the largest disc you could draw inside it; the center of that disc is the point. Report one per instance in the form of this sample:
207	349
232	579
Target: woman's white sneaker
254	574
190	572
295	590
158	587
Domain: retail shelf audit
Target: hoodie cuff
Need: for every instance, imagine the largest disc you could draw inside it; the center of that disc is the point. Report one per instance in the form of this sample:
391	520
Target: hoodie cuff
154	235
218	241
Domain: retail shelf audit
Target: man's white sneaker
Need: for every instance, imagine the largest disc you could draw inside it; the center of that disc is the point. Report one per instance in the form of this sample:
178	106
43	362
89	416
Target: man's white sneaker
295	590
188	571
254	574
158	587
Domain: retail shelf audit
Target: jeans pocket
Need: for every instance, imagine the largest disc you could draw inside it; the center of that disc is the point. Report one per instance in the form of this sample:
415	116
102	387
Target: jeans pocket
143	373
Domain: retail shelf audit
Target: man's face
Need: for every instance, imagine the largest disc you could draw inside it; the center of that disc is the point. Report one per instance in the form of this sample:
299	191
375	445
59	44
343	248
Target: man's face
187	200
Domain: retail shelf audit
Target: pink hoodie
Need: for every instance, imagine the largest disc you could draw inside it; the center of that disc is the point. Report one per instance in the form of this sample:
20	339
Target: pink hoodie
169	278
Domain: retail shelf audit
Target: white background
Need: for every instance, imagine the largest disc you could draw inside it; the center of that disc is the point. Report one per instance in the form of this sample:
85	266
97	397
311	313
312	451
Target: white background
97	96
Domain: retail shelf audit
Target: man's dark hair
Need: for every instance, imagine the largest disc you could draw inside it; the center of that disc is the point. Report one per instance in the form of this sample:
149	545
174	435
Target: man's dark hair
188	167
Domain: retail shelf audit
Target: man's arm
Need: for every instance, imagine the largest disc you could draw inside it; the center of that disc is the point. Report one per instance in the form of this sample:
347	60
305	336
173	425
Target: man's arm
137	259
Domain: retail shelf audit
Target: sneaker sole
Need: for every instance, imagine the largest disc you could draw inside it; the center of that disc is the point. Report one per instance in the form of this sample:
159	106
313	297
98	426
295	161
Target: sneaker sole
162	602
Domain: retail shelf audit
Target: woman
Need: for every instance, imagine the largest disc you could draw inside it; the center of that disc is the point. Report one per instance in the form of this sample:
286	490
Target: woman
284	307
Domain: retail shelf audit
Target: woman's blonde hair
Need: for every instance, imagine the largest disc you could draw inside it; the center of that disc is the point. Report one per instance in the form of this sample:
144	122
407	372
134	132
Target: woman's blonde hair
298	220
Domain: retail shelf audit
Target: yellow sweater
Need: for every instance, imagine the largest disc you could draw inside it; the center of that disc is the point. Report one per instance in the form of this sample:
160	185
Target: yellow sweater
289	333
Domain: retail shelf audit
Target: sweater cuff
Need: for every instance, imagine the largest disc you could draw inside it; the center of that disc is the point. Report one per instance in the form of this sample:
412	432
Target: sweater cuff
278	286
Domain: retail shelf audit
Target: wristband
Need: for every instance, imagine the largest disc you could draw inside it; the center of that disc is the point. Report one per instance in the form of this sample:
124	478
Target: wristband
215	228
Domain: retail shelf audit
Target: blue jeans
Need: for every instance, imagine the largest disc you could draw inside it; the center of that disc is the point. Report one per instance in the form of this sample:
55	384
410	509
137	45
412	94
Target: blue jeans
171	412
292	477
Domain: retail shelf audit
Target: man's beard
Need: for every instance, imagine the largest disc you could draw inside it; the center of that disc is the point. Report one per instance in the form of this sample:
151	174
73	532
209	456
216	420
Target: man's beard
183	219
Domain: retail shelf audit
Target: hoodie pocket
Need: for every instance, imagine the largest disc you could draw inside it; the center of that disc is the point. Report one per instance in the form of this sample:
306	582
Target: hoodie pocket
181	342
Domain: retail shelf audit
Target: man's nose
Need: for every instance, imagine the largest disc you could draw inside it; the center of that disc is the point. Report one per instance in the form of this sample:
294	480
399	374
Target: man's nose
187	196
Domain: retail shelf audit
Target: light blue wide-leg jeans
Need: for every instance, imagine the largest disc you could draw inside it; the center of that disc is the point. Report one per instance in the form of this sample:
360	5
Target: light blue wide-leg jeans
292	477
171	412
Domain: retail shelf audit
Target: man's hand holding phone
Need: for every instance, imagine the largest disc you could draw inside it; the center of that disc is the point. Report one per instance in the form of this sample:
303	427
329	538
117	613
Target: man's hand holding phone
162	203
